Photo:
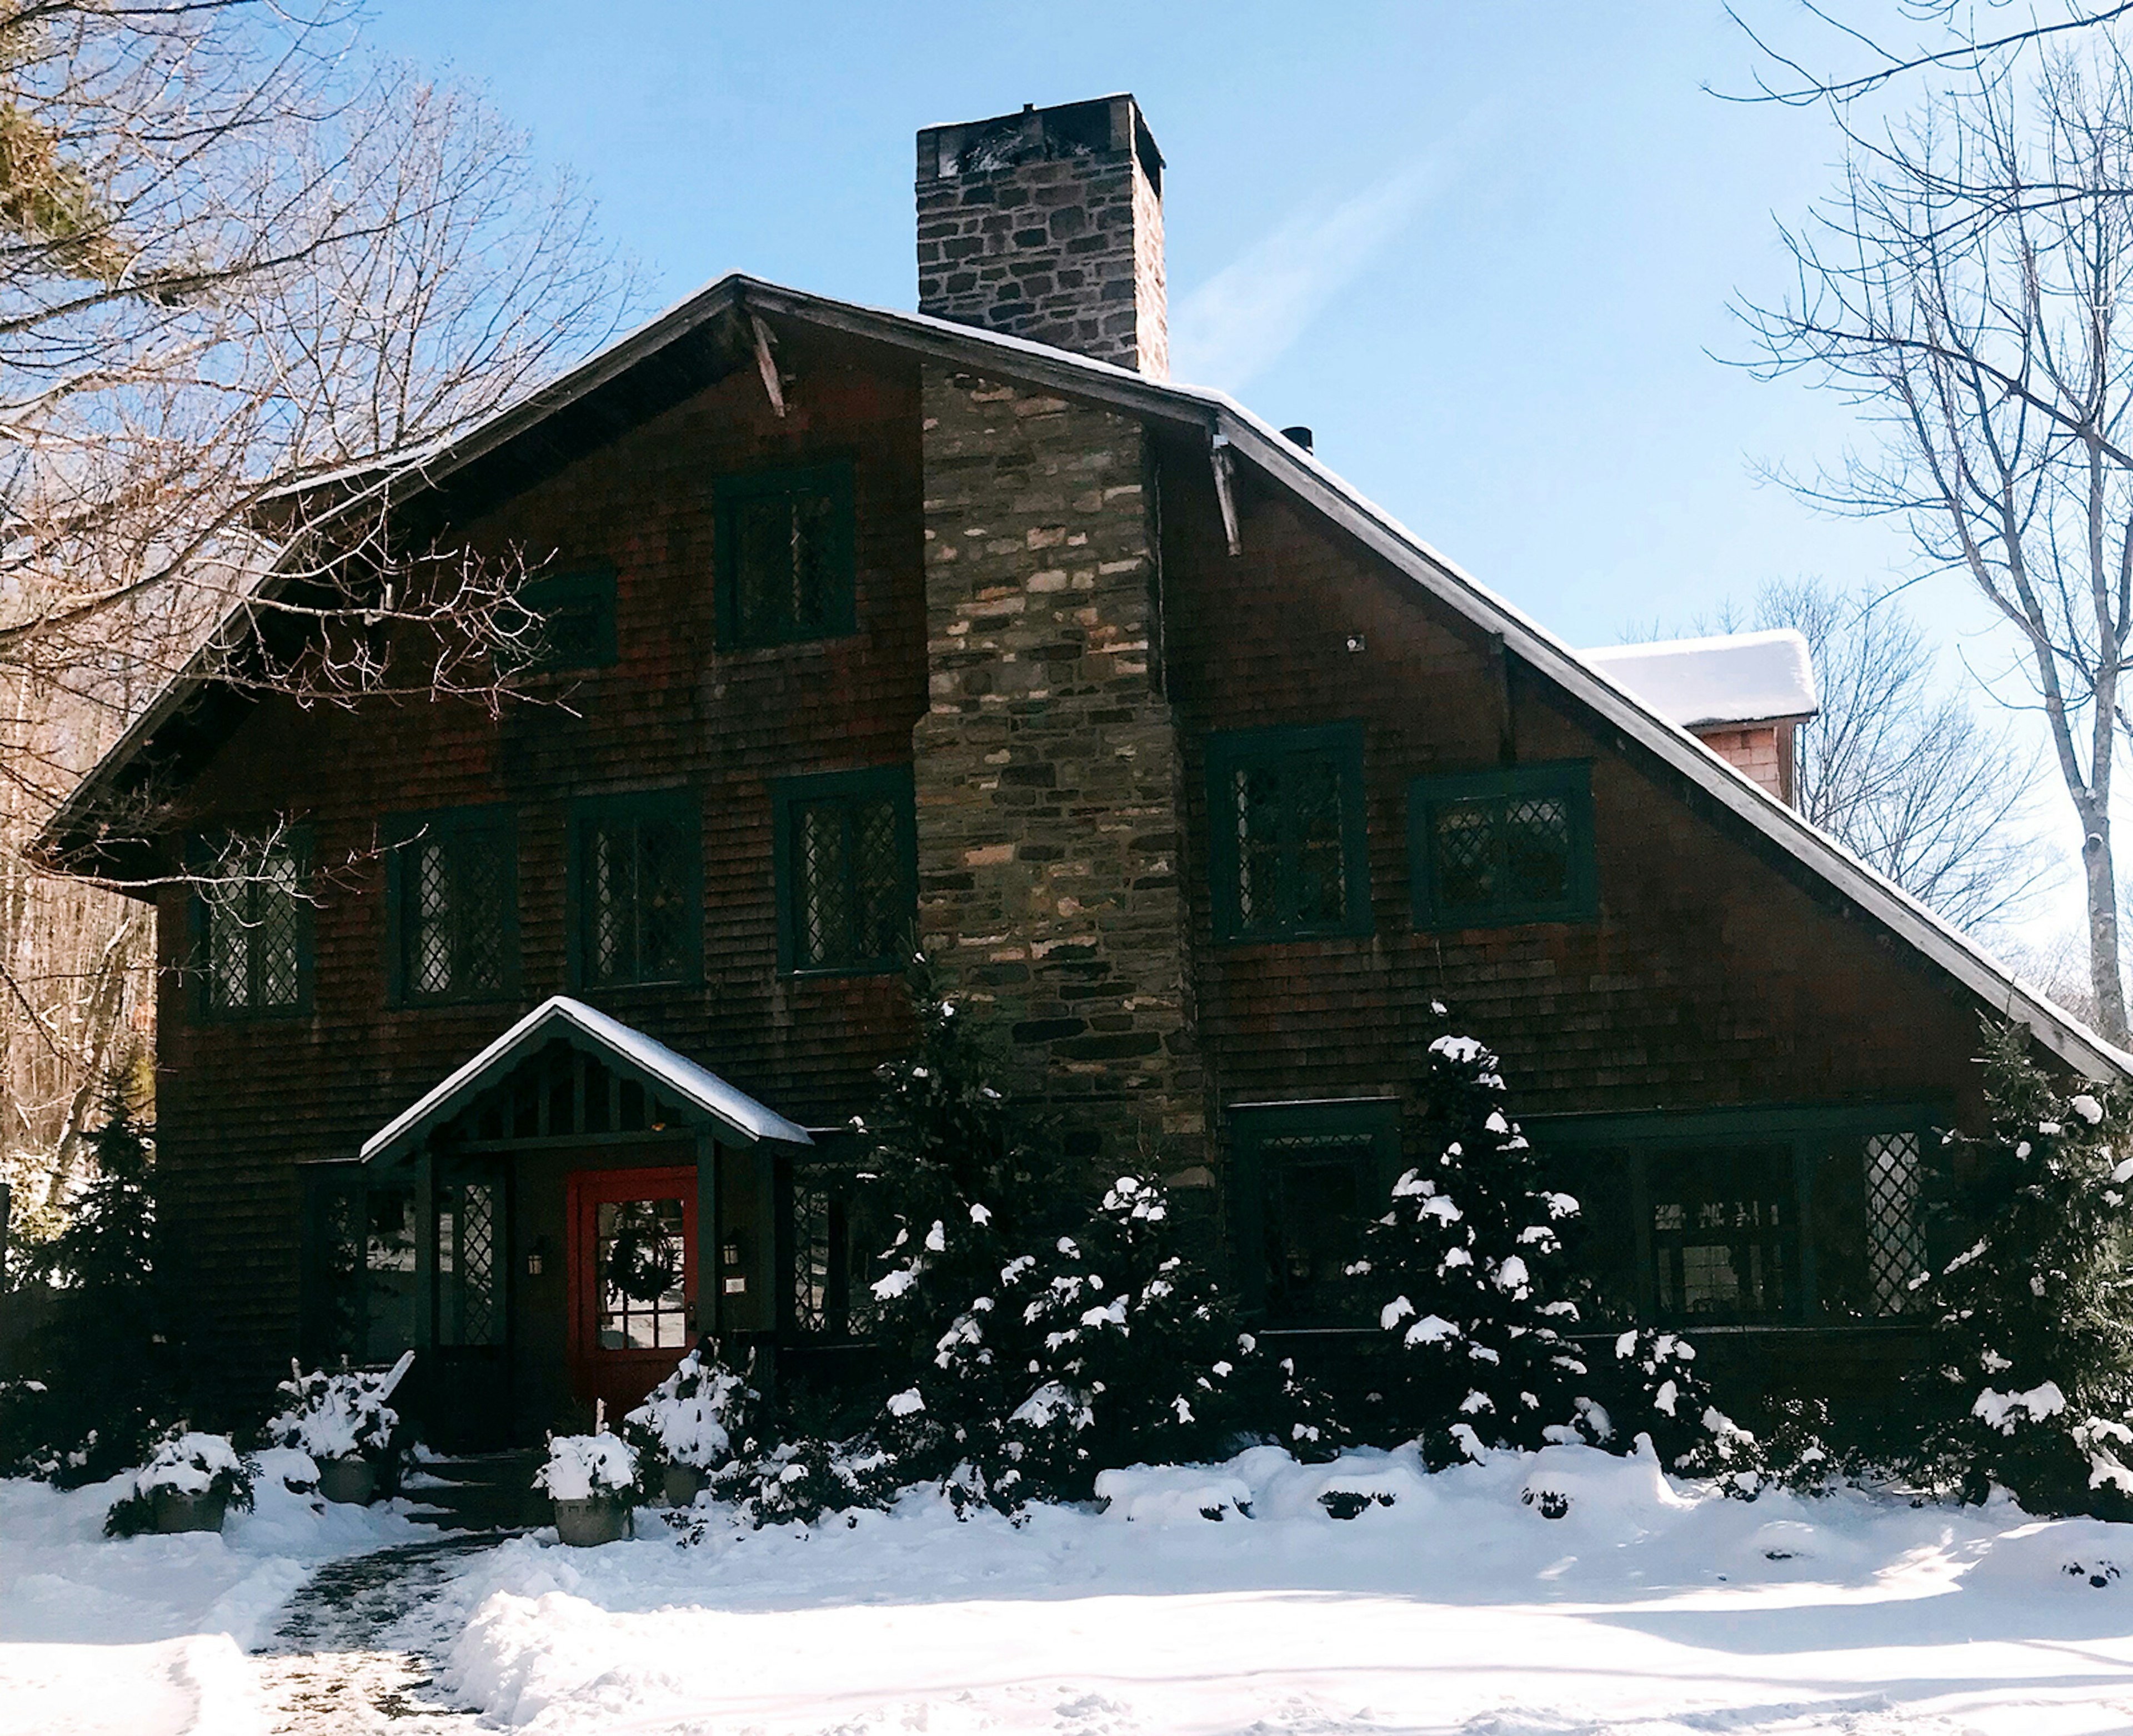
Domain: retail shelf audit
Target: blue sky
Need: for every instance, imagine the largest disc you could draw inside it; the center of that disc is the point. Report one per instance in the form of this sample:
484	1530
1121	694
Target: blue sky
1486	251
1481	249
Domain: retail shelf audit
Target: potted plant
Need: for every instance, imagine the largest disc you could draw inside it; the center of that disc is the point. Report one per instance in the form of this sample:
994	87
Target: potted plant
689	1422
592	1480
189	1483
343	1422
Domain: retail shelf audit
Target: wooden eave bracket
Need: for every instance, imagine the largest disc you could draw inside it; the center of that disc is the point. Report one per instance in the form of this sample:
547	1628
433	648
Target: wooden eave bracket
766	364
1224	458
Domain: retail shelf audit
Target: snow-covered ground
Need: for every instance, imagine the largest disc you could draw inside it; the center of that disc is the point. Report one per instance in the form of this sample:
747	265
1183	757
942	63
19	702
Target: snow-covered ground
1459	1607
1462	1607
149	1636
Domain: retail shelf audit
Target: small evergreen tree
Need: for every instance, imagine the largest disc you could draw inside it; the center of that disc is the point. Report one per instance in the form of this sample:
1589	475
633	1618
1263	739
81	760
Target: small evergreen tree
103	1375
1465	1272
971	1190
2031	1381
1136	1353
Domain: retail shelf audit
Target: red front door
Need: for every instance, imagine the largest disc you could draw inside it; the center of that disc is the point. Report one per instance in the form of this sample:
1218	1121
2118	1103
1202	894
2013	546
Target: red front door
633	1280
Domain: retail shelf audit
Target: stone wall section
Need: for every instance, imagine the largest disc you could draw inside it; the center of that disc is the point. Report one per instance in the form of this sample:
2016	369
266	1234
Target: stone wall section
1046	764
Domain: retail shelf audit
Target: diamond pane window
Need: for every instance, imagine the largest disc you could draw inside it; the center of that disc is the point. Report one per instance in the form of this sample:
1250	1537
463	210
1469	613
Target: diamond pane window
470	1264
1513	845
1286	829
455	890
638	880
845	854
1895	1241
255	933
785	556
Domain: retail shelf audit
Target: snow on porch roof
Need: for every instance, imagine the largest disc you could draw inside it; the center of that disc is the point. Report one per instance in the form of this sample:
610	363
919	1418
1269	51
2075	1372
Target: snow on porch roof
1740	678
732	1109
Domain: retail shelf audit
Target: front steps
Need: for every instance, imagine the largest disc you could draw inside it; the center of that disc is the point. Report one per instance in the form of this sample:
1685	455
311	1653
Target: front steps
479	1492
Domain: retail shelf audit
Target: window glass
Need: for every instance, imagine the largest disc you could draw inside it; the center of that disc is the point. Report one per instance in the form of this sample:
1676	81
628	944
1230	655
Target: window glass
457	886
562	621
1287	832
470	1264
785	556
252	899
1319	1193
1896	1236
637	875
640	1251
845	847
1309	1177
1722	1233
1511	844
389	1273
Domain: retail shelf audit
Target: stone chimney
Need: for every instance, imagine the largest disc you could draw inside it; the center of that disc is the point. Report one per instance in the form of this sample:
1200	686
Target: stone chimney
1049	225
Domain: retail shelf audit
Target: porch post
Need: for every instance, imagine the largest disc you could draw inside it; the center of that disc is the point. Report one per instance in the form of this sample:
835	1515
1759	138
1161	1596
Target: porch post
426	1250
710	1306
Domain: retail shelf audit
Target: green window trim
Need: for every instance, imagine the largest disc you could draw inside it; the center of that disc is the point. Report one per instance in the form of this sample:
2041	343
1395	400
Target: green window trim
1288	1161
451	906
1851	1232
1289	835
252	928
1508	824
576	611
635	889
845	860
786	557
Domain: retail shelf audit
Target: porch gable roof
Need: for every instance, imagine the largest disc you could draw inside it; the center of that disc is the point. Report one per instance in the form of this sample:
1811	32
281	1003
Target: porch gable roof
632	1053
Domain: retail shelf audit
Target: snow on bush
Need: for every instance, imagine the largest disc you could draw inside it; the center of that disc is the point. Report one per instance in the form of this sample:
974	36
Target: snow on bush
695	1415
184	1463
342	1416
1163	1494
588	1467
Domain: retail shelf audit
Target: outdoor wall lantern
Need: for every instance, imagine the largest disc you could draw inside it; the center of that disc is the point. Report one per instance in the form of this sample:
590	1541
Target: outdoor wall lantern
729	1253
537	1256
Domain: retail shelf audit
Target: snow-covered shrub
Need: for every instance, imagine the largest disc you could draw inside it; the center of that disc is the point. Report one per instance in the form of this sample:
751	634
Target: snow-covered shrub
2030	1383
1654	1393
801	1479
184	1463
588	1467
1464	1273
342	1416
697	1415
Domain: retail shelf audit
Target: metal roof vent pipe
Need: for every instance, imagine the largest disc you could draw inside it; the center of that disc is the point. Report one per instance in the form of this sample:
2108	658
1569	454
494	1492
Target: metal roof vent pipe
1299	436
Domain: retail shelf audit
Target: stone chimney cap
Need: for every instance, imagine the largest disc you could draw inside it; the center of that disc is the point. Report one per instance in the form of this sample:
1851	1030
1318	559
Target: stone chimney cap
1100	124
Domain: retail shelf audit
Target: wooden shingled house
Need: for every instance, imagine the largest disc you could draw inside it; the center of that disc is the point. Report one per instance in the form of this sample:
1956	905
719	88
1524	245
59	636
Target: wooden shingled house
1199	777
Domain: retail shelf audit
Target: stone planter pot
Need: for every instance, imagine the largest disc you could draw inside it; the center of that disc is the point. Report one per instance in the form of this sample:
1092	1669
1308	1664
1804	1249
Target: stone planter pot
684	1484
588	1524
353	1481
176	1511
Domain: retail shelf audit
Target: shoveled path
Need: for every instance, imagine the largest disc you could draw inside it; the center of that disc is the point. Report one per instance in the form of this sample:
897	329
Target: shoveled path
357	1647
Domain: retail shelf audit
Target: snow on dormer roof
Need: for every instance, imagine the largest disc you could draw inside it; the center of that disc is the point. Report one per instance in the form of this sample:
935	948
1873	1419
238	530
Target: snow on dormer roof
1735	679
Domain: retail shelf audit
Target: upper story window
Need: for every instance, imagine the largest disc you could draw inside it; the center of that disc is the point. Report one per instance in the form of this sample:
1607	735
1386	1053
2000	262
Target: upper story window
452	905
1510	844
1309	1178
1288	842
566	621
637	890
254	922
846	848
785	556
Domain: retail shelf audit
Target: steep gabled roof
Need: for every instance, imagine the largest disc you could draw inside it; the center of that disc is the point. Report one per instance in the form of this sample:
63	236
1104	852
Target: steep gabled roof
596	396
736	1115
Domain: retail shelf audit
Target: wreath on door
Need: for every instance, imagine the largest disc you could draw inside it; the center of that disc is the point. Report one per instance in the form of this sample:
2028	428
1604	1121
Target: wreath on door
644	1262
